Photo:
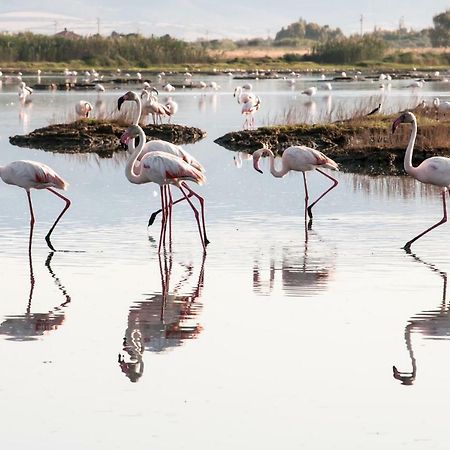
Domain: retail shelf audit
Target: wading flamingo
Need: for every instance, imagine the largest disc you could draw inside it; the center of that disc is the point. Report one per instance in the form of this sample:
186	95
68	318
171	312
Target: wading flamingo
160	146
163	169
435	170
24	91
300	159
248	110
34	175
83	108
244	94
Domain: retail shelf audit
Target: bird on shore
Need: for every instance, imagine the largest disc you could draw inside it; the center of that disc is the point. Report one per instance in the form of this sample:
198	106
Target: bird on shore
165	170
299	158
249	108
375	110
83	108
435	170
35	175
171	107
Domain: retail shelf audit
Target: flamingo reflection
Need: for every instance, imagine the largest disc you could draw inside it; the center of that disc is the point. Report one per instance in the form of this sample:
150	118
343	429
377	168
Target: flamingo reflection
432	324
28	326
163	321
302	275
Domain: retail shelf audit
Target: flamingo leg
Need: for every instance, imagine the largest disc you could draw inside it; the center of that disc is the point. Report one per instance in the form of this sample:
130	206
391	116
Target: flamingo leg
443	220
335	183
153	216
169	192
32	220
196	214
202	208
305	184
66	207
163	220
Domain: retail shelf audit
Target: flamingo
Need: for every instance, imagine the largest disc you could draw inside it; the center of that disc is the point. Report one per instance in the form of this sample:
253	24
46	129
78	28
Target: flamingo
99	88
435	170
243	95
299	158
24	91
152	105
163	169
35	175
83	108
248	110
172	107
310	91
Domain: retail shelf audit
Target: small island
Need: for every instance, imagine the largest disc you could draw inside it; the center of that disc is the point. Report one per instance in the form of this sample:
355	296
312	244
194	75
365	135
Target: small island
101	137
362	144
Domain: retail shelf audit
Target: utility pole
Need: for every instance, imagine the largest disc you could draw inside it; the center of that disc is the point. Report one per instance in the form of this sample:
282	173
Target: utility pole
361	21
98	25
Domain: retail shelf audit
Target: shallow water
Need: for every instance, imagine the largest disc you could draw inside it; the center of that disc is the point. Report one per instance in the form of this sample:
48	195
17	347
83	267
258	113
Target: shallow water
278	336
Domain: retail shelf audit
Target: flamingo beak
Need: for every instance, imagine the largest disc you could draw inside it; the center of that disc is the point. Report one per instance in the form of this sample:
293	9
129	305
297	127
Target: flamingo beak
124	140
120	102
396	123
256	164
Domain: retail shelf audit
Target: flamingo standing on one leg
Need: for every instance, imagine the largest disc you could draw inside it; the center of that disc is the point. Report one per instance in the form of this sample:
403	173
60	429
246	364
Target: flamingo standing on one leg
34	175
163	169
435	170
300	159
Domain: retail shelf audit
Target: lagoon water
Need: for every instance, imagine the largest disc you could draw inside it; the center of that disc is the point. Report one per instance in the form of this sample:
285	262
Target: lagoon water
276	338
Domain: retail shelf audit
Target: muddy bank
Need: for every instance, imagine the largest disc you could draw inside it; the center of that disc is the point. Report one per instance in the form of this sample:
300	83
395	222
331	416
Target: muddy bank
90	136
366	145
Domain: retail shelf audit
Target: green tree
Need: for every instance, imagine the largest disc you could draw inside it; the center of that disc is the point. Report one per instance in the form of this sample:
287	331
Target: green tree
440	34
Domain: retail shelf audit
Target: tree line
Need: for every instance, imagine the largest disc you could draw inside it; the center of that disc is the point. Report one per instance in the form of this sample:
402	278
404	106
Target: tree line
133	50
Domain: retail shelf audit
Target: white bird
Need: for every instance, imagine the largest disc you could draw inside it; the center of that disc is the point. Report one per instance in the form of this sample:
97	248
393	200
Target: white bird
83	108
243	95
151	105
416	84
168	87
328	87
99	88
172	107
299	158
24	91
310	91
248	110
35	175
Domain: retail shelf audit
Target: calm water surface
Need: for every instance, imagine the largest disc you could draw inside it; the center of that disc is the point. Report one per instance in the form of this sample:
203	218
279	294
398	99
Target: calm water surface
277	337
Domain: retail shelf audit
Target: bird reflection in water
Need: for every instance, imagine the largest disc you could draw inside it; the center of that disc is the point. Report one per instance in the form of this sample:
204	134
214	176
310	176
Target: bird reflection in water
28	326
434	324
302	275
240	157
163	321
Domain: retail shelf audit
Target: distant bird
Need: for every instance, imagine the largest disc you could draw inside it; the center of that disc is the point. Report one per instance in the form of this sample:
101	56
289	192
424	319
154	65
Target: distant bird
24	91
83	108
34	175
172	107
243	95
310	91
163	169
443	108
168	87
435	170
416	84
248	110
300	159
328	87
375	110
99	88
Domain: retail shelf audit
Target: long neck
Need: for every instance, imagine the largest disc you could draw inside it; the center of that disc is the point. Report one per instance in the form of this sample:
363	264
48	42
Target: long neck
139	110
276	173
133	171
409	150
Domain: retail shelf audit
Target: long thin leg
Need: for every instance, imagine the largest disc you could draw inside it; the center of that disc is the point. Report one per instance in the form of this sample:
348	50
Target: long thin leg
335	183
196	214
166	214
202	208
170	204
443	220
163	220
47	238
32	220
305	184
153	216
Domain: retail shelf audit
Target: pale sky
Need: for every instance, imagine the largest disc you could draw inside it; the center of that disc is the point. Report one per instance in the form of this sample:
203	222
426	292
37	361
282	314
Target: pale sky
192	19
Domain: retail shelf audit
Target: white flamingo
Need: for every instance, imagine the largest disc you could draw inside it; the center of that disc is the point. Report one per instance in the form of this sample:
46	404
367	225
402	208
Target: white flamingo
83	108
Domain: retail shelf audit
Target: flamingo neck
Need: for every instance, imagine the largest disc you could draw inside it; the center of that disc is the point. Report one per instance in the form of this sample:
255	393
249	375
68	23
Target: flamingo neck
133	171
139	110
409	150
276	173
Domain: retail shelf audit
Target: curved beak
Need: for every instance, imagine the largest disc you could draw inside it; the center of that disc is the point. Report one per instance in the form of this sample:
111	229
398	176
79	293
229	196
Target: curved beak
124	139
396	123
120	102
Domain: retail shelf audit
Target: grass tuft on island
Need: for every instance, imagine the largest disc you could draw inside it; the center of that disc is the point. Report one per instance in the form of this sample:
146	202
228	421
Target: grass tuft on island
362	144
99	136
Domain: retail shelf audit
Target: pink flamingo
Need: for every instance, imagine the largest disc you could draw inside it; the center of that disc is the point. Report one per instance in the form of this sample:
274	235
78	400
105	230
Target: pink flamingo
34	175
163	169
300	159
435	170
160	146
248	110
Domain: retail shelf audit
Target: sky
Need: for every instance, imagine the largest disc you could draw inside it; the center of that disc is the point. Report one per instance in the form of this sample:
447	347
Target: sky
194	19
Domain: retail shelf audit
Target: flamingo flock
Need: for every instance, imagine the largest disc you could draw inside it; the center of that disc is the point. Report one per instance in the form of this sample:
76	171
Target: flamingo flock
169	165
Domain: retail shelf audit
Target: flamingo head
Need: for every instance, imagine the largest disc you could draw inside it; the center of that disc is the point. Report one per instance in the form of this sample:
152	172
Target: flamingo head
88	108
406	117
130	95
132	132
264	151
